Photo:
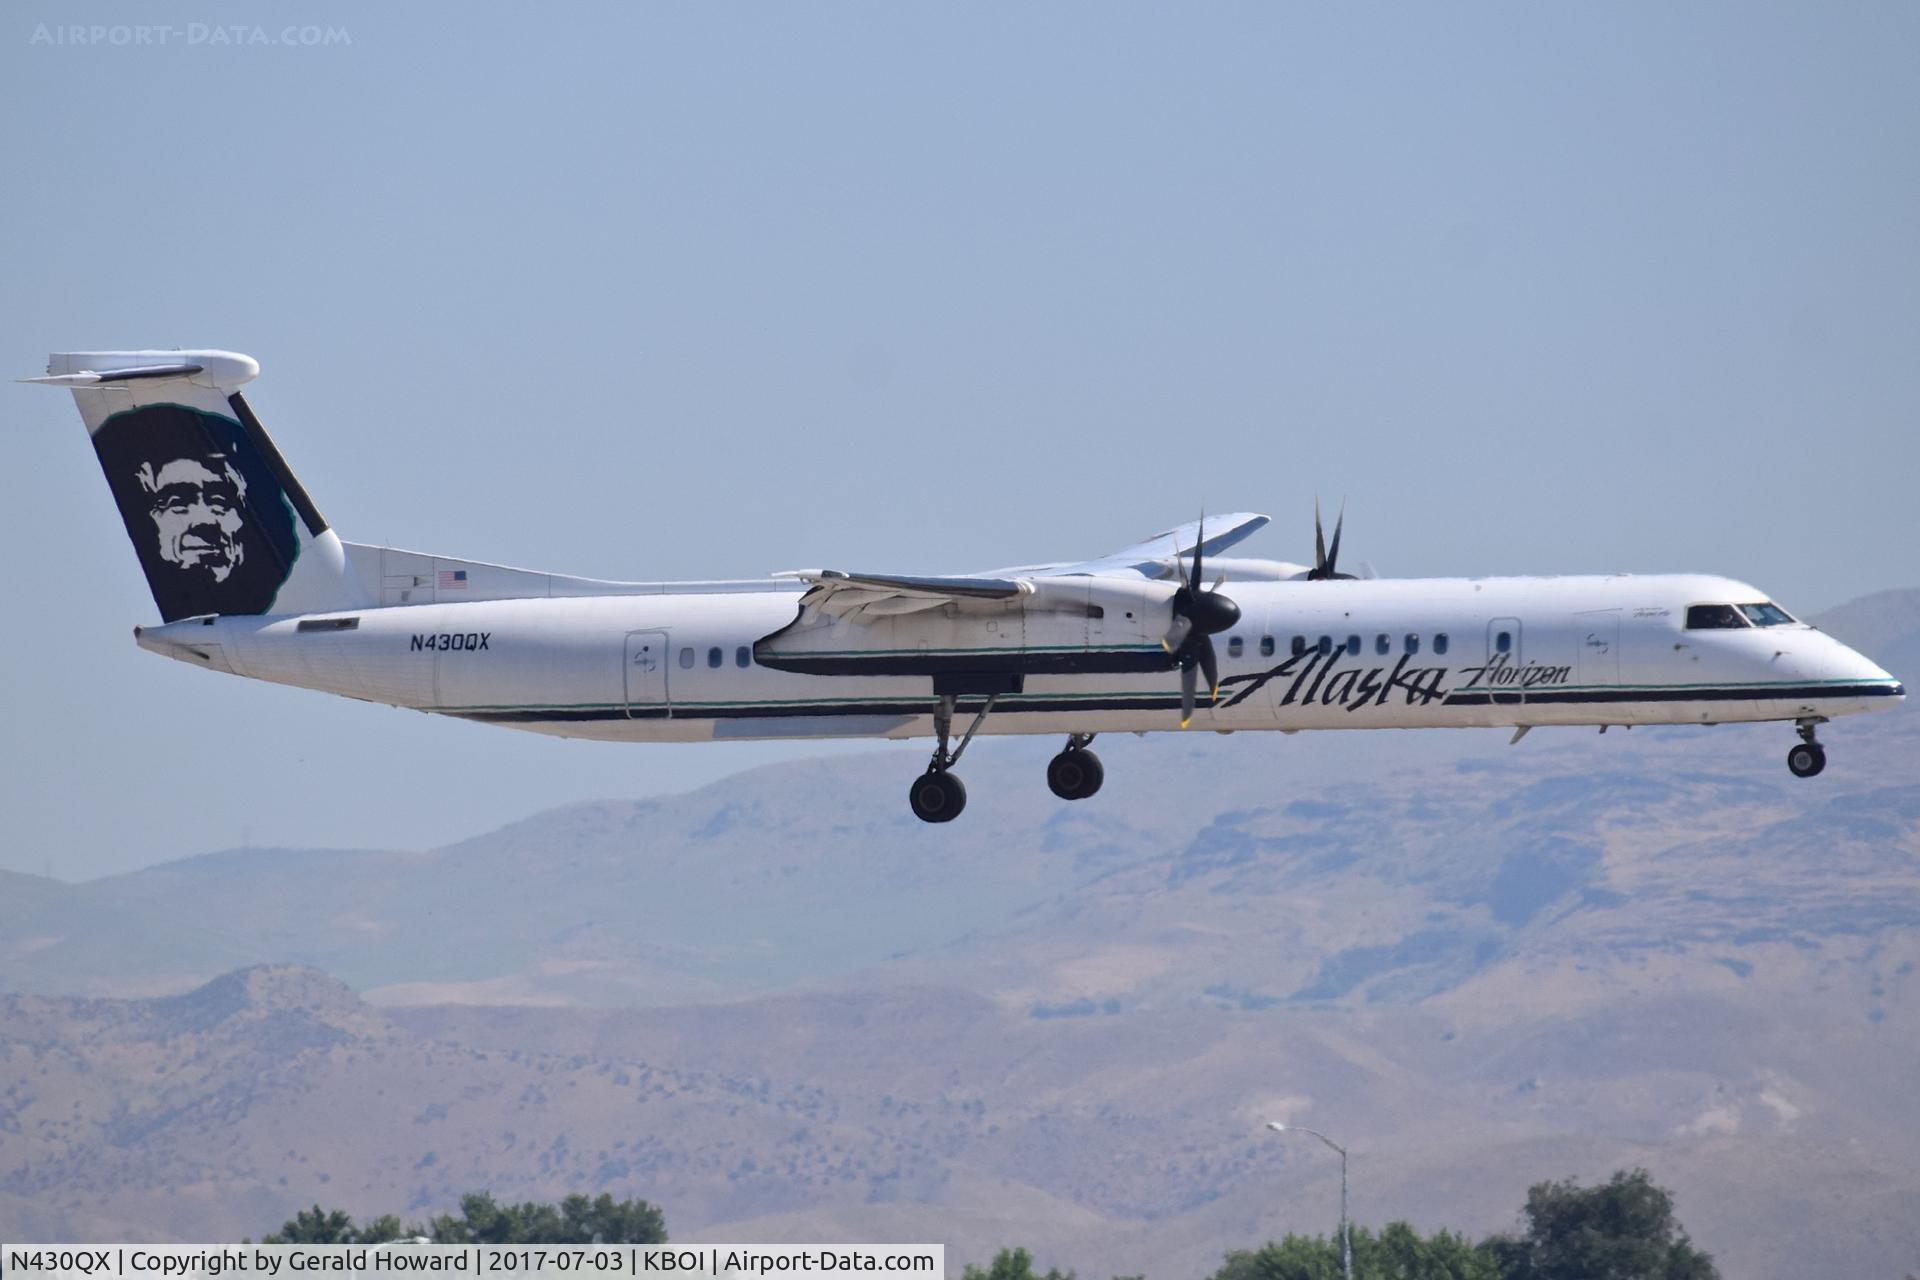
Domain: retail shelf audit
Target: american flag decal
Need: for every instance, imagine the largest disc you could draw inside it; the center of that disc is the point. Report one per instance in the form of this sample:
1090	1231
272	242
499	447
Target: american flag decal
453	579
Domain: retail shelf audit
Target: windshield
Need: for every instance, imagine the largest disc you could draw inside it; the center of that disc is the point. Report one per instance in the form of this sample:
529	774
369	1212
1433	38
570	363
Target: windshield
1706	617
1766	614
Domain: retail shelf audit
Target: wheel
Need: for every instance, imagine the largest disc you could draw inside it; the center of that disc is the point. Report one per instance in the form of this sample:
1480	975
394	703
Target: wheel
1807	759
937	797
1075	774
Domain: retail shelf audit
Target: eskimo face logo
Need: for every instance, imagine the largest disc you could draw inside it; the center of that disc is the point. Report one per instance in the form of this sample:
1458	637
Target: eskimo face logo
212	525
196	512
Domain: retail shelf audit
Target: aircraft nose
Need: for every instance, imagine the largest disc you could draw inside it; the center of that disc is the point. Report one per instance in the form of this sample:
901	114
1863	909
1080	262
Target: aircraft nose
1857	667
1867	668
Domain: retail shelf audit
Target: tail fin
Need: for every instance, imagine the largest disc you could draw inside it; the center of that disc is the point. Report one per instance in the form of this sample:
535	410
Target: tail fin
219	521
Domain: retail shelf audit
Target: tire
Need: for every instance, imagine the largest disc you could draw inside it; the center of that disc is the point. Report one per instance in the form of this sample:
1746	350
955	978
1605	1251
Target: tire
1075	774
937	797
1807	759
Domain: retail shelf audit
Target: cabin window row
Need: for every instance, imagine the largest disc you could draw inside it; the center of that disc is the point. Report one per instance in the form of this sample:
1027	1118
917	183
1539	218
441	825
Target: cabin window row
716	656
1383	643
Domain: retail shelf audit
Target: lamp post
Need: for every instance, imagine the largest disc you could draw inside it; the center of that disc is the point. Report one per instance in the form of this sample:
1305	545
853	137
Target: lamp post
1346	1239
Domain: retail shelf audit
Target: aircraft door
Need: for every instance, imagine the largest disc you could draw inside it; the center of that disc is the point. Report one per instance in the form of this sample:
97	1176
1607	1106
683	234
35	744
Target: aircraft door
647	675
1597	641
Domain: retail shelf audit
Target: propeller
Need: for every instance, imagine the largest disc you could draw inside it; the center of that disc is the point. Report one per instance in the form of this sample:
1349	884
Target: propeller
1325	558
1198	615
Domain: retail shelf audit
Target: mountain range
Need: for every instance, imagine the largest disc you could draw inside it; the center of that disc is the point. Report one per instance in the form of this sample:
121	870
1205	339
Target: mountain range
784	1009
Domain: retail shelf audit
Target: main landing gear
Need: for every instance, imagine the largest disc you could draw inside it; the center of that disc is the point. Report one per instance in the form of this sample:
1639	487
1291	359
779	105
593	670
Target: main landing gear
1075	773
1809	757
938	795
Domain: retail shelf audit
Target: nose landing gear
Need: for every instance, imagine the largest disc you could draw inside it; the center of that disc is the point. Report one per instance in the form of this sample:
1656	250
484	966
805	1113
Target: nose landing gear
1809	757
1076	772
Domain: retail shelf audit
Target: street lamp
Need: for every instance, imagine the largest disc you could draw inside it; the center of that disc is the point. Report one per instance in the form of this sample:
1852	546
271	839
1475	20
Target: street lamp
1346	1239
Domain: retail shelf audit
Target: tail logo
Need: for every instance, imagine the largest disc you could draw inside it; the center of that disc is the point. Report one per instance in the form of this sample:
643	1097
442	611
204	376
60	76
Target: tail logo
213	527
196	512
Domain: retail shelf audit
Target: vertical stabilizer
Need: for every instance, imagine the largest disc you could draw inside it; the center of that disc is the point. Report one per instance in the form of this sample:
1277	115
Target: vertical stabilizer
218	519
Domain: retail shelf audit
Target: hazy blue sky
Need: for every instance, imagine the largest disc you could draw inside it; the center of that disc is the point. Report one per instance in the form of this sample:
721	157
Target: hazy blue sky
710	290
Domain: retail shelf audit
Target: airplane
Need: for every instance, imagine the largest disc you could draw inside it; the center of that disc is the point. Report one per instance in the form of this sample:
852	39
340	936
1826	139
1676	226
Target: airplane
251	580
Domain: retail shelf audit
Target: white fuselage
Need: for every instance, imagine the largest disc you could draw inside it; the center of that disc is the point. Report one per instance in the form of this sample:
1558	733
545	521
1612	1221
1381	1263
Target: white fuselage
684	663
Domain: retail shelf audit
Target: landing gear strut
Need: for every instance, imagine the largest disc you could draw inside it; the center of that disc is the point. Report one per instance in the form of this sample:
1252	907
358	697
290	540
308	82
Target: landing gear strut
1809	757
938	795
1075	773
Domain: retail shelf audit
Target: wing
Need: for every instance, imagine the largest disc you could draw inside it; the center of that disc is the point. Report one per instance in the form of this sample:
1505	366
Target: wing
844	595
838	594
1155	557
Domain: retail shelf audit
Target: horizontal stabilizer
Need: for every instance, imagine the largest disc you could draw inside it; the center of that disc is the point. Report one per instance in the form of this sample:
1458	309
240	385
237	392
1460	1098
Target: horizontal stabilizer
91	379
222	372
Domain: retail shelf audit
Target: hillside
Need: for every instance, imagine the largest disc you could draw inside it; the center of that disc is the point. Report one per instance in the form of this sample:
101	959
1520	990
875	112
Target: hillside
784	1009
1109	1141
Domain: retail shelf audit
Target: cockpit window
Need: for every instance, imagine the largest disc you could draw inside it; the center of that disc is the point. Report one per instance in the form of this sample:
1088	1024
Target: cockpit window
1766	614
1709	617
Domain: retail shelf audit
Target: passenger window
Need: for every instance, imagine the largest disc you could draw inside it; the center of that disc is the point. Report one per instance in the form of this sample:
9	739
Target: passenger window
1714	617
1326	645
1299	645
1353	644
1383	643
1504	642
686	657
1235	647
714	656
1266	646
1766	615
743	657
1439	642
1413	643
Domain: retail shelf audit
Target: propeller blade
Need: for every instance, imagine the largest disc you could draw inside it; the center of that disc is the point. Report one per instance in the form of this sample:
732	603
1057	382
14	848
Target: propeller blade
1199	552
1197	614
1333	554
1177	633
1319	540
1210	668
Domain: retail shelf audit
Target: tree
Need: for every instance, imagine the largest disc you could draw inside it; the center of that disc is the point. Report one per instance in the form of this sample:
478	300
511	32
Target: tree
1401	1253
604	1220
481	1220
1011	1264
1623	1228
314	1226
575	1220
1397	1253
